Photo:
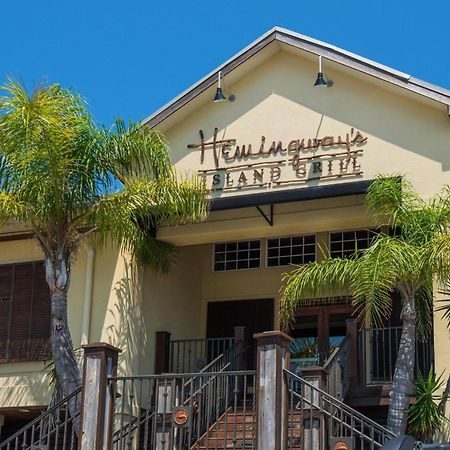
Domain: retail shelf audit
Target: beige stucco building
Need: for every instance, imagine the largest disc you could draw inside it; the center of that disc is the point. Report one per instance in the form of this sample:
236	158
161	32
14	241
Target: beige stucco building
288	164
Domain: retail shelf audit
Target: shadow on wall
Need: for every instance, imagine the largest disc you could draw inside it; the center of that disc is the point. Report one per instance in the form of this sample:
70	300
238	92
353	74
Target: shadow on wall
375	109
29	389
126	330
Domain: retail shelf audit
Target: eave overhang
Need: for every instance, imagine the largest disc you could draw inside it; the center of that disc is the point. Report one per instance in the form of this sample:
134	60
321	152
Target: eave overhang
312	46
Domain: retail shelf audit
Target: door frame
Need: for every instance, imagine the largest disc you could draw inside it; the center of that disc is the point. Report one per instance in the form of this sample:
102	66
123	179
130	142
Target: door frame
323	320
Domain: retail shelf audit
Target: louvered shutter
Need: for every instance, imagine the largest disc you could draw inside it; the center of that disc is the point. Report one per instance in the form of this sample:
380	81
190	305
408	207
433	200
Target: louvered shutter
25	317
20	316
40	316
5	305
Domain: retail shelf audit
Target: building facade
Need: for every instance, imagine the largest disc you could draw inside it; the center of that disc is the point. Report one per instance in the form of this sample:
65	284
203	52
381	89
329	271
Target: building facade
288	165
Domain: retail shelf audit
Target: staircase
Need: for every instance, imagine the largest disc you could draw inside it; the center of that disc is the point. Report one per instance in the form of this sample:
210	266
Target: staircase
236	430
210	410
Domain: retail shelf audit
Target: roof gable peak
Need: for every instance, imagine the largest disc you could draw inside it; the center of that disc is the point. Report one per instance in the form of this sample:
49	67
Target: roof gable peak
310	45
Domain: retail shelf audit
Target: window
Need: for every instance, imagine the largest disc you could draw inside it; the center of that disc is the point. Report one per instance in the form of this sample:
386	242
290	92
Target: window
291	250
237	255
24	312
346	244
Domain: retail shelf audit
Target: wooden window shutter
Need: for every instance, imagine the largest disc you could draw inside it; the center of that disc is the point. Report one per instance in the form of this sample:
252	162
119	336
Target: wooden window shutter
20	315
5	306
40	326
25	327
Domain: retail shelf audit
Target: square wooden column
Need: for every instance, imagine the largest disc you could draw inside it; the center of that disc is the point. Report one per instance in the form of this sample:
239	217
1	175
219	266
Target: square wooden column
271	390
97	400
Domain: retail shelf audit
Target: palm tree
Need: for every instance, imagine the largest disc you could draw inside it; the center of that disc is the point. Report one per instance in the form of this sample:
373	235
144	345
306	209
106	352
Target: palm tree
66	180
407	259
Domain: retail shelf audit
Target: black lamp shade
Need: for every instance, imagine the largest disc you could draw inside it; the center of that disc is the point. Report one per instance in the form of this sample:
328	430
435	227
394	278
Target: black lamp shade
320	82
219	97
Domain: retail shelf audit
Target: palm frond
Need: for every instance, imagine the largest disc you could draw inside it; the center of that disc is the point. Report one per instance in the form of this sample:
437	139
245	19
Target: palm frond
376	277
67	175
135	151
156	254
437	253
391	197
173	200
306	282
424	303
12	208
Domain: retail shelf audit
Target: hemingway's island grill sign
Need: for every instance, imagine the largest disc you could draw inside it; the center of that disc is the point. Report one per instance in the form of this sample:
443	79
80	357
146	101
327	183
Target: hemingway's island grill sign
271	164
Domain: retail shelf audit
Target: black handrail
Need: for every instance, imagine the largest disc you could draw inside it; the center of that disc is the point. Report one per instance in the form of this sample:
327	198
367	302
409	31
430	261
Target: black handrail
41	425
337	419
194	386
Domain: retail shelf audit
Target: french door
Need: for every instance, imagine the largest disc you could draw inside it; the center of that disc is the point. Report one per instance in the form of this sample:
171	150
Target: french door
317	331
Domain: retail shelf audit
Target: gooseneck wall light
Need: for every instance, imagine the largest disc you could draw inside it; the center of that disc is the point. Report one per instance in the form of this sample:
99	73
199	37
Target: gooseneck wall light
220	97
321	80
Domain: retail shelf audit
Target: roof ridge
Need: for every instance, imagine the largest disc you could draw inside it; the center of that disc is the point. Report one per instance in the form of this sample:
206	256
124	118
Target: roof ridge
311	45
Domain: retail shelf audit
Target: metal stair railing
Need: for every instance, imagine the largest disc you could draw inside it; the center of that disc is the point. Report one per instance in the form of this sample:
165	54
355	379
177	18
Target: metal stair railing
55	429
184	354
193	389
217	393
126	431
324	419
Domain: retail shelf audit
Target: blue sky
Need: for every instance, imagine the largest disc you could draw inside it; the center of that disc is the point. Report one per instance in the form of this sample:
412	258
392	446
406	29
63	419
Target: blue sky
129	58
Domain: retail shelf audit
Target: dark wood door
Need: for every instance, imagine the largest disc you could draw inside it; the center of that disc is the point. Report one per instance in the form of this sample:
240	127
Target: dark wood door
322	328
255	315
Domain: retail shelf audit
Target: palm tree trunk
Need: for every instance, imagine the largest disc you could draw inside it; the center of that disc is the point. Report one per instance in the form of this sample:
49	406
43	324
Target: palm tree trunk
57	273
57	270
402	386
64	358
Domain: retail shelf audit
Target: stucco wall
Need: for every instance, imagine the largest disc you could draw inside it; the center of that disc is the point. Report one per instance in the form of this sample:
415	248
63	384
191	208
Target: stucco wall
278	100
406	134
114	317
171	302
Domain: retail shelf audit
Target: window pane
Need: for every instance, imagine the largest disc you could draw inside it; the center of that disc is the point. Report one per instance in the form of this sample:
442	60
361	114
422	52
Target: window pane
230	266
242	264
272	262
291	250
243	245
236	255
220	257
285	242
309	258
348	244
255	244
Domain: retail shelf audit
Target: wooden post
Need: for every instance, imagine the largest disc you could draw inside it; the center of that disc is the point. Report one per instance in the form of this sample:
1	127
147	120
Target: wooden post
353	355
271	390
313	424
240	335
97	401
162	352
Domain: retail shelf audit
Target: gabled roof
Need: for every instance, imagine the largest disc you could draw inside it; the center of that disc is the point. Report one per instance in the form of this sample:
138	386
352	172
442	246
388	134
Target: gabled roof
310	45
